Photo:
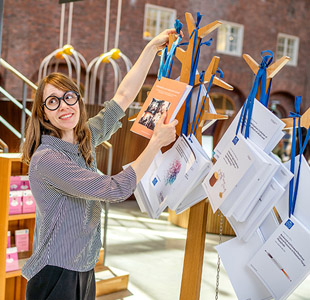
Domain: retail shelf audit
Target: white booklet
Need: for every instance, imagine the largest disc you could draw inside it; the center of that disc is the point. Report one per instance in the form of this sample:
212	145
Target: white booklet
229	172
196	195
170	174
265	130
244	230
144	193
194	177
235	255
302	206
283	262
251	194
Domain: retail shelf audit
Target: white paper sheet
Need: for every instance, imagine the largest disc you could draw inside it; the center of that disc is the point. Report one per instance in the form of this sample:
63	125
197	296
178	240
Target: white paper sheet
265	132
235	255
283	262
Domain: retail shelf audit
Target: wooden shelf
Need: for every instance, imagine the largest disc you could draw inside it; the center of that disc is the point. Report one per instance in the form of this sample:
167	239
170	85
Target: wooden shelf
12	156
12	284
18	272
21	217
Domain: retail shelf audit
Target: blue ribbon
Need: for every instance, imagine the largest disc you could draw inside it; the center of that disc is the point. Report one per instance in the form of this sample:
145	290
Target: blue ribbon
166	59
261	77
293	189
206	96
194	64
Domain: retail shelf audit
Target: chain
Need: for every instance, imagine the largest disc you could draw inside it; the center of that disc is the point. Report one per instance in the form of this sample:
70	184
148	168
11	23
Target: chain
218	257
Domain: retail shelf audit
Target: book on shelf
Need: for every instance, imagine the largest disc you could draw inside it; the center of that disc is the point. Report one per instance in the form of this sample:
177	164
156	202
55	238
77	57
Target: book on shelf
166	95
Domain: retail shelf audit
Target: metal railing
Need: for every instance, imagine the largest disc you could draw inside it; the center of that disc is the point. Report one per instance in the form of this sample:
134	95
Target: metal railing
22	106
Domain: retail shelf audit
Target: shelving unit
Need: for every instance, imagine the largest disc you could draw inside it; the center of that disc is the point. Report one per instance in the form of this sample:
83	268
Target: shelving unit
12	284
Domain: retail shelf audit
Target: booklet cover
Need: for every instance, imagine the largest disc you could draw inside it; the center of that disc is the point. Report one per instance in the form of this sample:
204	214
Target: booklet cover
302	207
235	255
228	172
265	130
144	194
194	176
177	162
283	262
166	95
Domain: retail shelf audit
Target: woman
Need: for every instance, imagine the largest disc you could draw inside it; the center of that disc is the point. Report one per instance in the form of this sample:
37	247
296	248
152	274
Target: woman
60	147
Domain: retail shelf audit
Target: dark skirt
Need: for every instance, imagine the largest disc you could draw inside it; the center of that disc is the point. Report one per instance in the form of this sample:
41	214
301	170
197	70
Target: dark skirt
54	283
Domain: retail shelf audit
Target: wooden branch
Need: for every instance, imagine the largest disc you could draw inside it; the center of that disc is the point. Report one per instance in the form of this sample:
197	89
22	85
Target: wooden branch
204	31
304	121
251	63
277	66
272	70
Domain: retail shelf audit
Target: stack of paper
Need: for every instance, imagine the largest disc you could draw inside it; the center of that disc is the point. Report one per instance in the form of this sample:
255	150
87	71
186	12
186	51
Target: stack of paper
283	262
247	179
174	178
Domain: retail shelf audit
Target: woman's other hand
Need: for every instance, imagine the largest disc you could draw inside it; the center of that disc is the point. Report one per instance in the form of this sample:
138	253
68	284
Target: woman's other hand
164	134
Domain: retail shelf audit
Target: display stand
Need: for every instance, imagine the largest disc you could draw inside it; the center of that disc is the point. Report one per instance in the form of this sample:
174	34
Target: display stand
196	233
193	258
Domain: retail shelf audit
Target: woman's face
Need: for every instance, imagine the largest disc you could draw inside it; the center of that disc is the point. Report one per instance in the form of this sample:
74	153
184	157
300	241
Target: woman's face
65	117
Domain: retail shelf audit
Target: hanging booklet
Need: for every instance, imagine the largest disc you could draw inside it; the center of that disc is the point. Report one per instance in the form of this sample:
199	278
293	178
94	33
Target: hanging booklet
264	205
302	206
193	177
265	129
145	196
171	173
251	193
246	285
231	174
283	262
235	255
166	95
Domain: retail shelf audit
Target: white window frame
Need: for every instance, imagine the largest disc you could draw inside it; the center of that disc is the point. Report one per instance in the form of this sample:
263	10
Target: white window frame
159	10
293	61
238	52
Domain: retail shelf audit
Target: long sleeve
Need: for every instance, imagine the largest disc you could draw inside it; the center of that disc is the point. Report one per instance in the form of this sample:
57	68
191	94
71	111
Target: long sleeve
65	175
106	122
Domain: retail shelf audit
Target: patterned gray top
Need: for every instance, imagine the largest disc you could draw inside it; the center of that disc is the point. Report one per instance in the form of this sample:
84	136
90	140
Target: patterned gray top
68	194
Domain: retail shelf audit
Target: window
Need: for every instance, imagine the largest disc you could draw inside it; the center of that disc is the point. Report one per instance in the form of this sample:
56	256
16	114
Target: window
288	46
157	19
230	38
223	104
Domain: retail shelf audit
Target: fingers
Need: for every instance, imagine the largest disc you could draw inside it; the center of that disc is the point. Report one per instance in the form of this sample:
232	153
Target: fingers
162	118
174	122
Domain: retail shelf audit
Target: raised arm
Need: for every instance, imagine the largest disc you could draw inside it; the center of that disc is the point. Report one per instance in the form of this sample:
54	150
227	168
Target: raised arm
133	81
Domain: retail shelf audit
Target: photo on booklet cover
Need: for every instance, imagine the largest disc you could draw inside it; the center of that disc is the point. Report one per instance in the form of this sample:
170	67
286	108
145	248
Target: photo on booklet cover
153	113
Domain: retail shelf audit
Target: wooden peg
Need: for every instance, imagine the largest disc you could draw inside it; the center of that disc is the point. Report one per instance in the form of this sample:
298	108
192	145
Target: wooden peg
272	70
206	116
211	70
133	117
304	121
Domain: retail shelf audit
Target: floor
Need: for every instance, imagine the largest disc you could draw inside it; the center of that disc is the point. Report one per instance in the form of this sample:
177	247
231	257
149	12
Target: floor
152	252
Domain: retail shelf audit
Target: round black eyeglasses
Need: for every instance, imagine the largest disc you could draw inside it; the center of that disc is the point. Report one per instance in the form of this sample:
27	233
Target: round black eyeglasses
53	102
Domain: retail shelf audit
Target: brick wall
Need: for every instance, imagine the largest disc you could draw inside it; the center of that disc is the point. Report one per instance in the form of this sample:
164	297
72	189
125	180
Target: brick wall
31	32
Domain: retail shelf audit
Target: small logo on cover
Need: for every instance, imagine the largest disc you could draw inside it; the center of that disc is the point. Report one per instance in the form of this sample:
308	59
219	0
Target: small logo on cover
235	140
154	181
289	224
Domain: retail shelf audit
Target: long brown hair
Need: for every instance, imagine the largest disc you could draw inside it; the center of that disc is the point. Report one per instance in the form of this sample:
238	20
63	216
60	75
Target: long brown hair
37	125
